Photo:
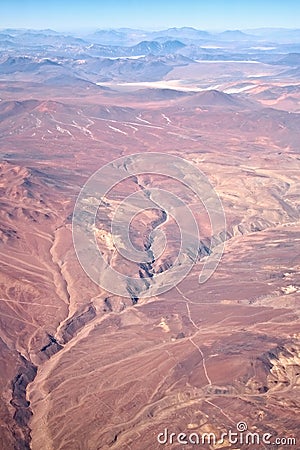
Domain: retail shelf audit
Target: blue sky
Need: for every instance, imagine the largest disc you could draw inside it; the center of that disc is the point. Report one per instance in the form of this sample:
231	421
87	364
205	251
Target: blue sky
202	14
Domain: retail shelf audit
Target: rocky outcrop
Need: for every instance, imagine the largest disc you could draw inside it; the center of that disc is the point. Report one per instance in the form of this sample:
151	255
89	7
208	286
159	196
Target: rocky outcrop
278	369
26	374
285	367
52	347
73	325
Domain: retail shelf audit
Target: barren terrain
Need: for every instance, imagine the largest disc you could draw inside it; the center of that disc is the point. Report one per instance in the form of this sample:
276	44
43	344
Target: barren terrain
84	369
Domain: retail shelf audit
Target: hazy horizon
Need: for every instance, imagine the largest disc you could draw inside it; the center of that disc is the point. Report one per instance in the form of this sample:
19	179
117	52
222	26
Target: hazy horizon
147	29
211	16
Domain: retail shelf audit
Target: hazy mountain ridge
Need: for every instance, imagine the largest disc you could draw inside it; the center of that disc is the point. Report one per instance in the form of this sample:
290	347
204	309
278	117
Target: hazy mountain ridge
129	55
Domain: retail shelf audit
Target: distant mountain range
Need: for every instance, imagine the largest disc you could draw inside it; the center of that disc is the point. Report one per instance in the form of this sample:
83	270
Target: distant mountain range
131	42
129	37
129	55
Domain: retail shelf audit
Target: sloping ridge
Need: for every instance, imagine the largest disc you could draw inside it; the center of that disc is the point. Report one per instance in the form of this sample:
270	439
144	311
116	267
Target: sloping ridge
13	107
214	98
24	64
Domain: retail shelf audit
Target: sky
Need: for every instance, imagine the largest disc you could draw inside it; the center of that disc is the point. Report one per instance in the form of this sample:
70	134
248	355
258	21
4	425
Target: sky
149	14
